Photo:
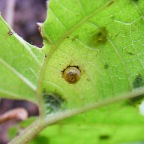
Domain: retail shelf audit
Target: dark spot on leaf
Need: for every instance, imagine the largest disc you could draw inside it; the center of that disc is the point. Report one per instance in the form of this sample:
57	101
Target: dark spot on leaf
106	66
112	17
45	55
136	100
41	139
53	102
135	0
10	33
138	82
98	37
104	137
130	53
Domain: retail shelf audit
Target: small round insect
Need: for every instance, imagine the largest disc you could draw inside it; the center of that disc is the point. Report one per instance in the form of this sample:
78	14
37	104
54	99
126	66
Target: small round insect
72	74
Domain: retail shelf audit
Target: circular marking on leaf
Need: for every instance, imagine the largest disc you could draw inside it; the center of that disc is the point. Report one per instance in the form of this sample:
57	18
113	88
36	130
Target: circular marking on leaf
130	53
138	82
72	74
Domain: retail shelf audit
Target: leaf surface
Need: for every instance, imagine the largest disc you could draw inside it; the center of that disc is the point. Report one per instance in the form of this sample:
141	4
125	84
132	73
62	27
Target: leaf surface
20	64
118	123
103	39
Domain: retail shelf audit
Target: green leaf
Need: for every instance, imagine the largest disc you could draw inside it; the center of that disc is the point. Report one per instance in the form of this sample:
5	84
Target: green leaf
20	63
114	124
103	39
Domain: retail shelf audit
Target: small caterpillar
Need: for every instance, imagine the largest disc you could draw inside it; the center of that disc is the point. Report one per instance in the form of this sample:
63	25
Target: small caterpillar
72	74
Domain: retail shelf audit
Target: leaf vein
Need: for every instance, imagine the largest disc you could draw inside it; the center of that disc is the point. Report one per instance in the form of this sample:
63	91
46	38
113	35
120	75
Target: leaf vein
25	80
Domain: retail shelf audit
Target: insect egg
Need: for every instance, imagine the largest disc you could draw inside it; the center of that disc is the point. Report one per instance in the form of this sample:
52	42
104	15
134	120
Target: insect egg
72	74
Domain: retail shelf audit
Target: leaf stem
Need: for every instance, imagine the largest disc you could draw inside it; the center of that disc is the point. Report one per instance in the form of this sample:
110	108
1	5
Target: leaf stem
30	132
40	124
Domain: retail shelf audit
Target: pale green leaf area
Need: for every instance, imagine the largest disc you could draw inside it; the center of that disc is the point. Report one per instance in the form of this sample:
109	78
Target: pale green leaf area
19	65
